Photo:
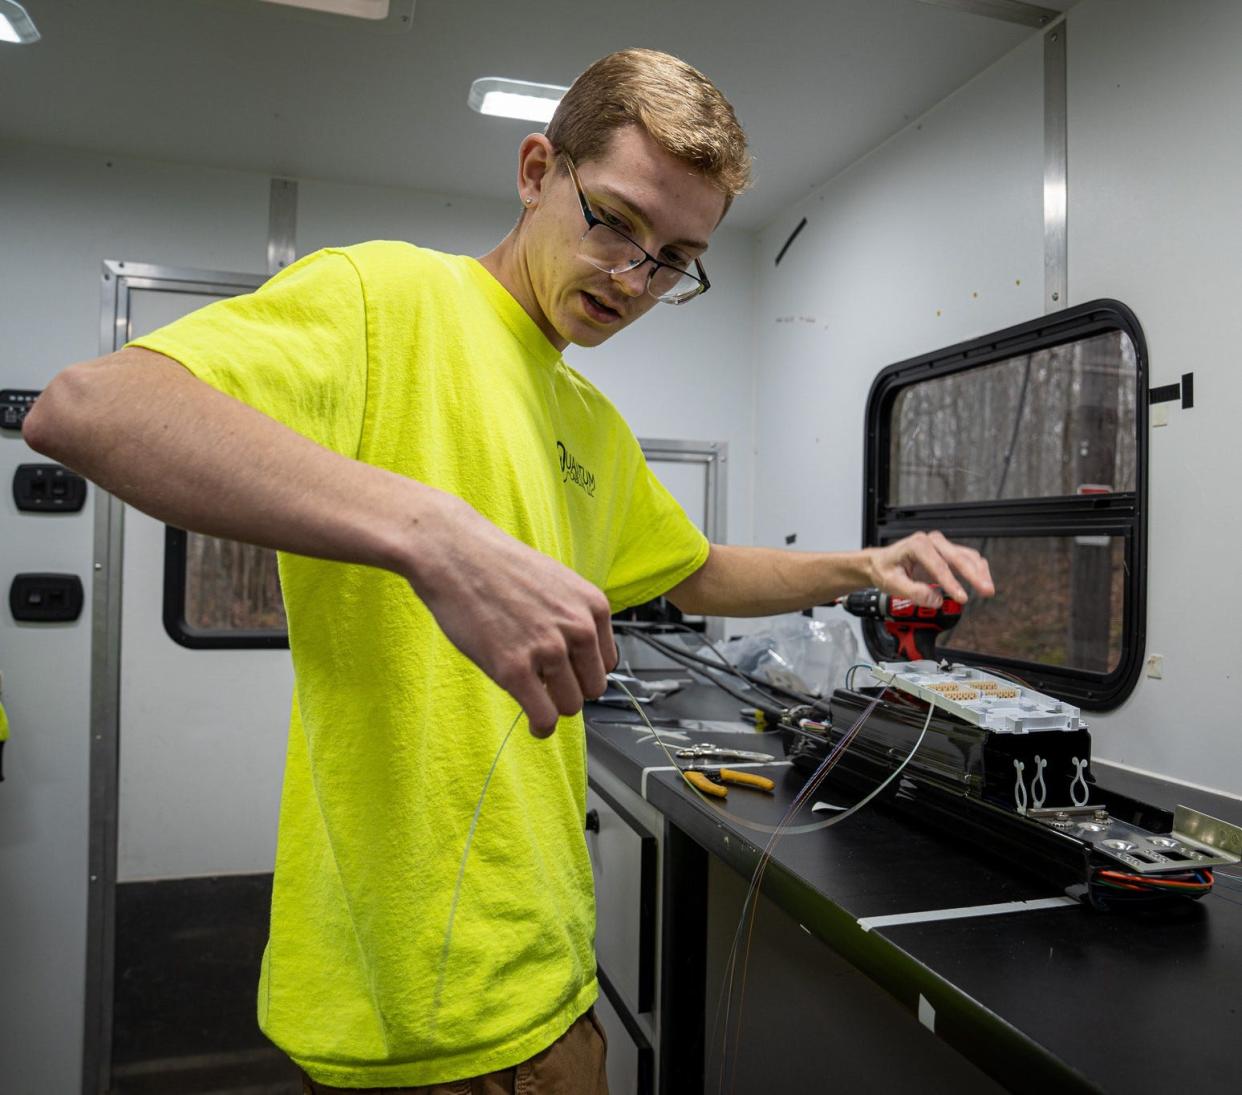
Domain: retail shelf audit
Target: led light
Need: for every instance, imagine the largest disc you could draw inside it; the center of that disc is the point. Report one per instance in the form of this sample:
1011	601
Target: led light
15	24
515	98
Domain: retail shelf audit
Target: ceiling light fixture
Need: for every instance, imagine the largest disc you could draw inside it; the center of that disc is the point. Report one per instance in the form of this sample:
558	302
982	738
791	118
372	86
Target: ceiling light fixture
16	25
361	9
515	98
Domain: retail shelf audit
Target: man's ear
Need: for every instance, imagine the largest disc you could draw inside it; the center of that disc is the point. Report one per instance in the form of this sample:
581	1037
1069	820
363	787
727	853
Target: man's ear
536	160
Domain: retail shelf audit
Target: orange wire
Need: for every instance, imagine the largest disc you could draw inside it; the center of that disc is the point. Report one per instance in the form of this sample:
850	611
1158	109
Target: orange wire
1120	876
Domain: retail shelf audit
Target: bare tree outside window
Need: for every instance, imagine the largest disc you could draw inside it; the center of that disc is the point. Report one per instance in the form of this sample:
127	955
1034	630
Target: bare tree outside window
231	587
1060	422
1034	616
1028	427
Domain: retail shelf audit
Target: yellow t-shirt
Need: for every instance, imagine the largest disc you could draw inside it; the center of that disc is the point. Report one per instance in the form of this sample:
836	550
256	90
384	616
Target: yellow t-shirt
422	363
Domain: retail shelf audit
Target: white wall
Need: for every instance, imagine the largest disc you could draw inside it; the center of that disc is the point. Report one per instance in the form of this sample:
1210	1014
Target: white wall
887	267
681	373
897	247
63	213
1156	221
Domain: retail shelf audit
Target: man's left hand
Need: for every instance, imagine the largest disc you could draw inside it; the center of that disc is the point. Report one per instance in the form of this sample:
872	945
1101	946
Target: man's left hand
906	569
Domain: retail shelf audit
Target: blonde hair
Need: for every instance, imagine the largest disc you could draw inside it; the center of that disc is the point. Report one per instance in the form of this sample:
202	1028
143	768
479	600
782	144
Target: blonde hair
679	107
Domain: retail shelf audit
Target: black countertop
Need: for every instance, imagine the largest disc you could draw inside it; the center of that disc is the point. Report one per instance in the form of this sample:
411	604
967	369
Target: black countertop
1041	998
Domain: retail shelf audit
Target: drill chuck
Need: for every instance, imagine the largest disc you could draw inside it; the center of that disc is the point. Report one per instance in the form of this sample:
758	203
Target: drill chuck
913	627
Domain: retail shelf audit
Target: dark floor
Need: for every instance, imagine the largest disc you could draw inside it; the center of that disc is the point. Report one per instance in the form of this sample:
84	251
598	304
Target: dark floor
187	969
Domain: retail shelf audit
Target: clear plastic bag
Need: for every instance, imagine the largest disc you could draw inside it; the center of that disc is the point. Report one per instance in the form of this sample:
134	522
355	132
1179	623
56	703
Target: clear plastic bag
799	653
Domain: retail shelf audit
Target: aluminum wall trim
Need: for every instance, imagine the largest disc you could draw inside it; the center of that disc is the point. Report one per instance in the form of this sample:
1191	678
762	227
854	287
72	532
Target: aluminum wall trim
104	724
1011	11
715	455
117	280
282	225
1056	180
171	277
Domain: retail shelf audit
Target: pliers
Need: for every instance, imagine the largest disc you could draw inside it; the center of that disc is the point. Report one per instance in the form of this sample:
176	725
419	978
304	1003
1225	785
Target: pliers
711	780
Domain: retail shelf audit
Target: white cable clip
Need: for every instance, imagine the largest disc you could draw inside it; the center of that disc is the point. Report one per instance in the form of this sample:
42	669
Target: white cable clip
1079	780
1039	789
1019	788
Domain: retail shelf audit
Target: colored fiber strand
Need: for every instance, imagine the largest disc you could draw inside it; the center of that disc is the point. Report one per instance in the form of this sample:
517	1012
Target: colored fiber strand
1185	884
752	897
461	873
750	904
741	822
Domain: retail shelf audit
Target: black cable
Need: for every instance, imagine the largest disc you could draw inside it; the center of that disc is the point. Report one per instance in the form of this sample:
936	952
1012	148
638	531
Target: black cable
799	699
778	715
803	698
694	663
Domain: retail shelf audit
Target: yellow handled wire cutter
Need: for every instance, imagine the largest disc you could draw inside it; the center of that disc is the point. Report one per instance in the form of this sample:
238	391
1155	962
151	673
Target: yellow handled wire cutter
711	781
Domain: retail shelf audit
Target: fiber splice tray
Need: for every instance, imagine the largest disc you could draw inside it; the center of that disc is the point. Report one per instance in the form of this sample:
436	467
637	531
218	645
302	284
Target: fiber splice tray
979	697
1008	768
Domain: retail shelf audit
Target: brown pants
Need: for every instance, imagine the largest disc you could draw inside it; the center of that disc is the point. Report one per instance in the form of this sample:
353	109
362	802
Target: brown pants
572	1065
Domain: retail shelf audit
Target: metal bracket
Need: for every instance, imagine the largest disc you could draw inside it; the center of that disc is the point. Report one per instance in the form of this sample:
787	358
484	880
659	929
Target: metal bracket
1193	826
282	225
1056	194
1011	11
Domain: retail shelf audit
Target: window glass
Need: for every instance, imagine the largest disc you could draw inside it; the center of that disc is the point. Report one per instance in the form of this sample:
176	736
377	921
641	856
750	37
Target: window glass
1058	602
232	591
1059	421
231	587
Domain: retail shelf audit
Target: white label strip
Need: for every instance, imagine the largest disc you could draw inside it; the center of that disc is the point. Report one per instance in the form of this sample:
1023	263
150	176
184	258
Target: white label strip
643	785
722	764
966	911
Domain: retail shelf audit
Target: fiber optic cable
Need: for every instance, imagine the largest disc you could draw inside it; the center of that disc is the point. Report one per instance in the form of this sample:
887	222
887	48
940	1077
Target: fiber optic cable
461	872
752	897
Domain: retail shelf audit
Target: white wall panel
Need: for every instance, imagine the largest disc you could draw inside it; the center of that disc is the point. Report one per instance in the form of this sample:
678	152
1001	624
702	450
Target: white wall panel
897	247
63	213
933	238
1155	220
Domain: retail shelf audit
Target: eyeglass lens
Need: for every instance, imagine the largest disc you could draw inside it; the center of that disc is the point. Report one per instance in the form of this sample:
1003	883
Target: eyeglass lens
609	251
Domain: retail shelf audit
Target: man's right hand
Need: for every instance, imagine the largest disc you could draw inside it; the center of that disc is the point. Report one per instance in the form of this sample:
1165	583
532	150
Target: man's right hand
538	629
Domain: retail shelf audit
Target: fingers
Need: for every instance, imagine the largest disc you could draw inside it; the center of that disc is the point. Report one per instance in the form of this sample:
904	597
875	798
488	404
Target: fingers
967	563
930	554
898	584
974	568
528	689
568	666
607	643
565	693
944	562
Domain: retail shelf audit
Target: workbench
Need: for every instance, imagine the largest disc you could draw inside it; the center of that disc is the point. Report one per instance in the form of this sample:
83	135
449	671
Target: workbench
885	956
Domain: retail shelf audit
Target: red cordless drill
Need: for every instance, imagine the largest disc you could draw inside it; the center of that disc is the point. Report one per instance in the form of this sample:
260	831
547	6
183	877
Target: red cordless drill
913	628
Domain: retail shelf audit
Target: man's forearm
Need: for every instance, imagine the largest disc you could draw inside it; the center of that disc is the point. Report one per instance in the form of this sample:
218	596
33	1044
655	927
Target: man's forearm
745	581
740	581
144	428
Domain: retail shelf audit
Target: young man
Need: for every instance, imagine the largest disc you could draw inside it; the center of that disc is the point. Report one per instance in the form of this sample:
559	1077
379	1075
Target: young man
399	424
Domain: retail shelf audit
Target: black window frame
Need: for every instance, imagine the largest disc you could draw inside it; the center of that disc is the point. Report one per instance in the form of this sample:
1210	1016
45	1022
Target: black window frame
1122	513
176	543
